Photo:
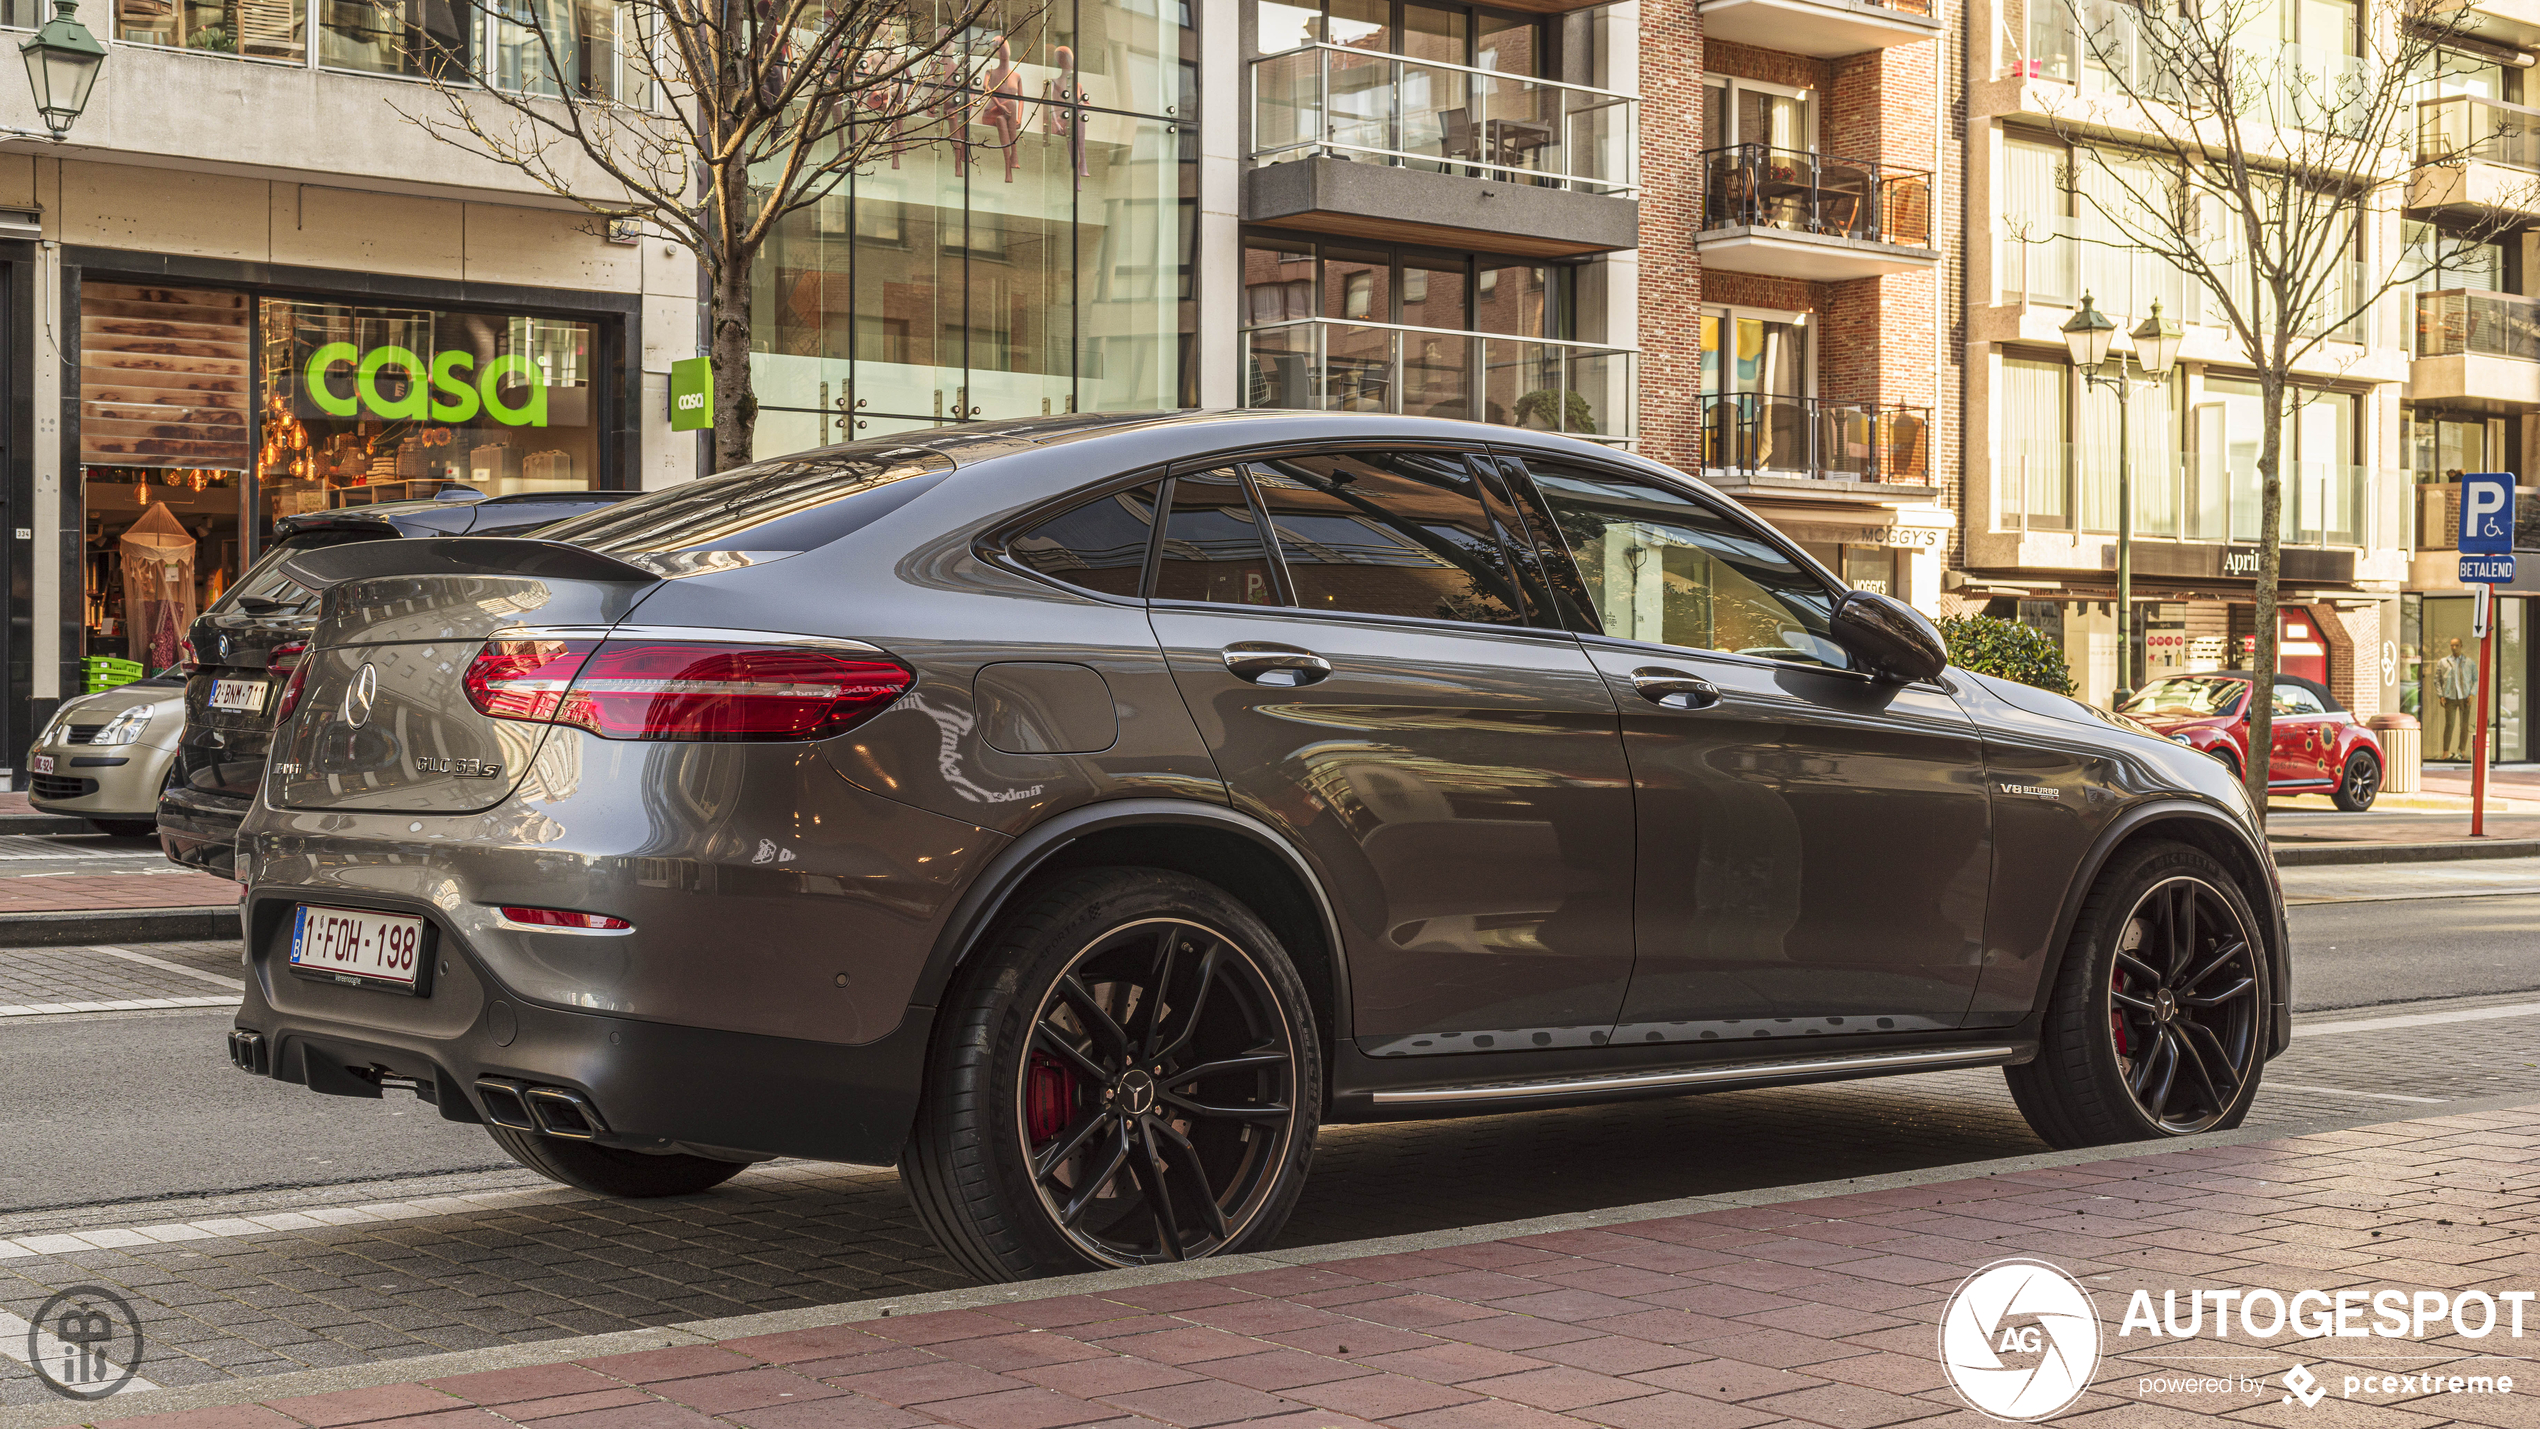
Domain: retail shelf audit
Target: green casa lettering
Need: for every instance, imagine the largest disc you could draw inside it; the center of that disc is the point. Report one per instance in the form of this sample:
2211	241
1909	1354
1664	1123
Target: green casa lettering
443	393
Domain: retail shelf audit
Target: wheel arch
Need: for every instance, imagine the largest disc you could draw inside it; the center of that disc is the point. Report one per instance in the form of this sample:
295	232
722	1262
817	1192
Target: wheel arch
2207	830
1233	851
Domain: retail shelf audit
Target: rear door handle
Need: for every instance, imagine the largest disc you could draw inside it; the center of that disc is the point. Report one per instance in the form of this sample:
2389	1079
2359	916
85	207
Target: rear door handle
1282	666
1674	689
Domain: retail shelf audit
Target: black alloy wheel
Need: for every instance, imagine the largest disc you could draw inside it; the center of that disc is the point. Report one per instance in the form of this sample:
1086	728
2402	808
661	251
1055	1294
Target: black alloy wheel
2183	1005
2360	784
2157	1023
1159	1097
1125	1073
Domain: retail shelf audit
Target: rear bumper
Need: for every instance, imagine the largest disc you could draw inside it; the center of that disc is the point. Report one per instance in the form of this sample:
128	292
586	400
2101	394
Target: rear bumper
473	1049
200	830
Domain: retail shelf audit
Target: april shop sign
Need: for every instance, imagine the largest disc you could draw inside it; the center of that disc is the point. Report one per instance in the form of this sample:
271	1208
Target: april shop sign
393	384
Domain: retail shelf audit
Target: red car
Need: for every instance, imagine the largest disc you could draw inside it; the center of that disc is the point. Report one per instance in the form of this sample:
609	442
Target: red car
2319	746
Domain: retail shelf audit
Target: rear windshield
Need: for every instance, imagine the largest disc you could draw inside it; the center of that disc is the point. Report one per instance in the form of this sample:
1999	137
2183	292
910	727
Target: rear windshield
757	513
2177	699
265	590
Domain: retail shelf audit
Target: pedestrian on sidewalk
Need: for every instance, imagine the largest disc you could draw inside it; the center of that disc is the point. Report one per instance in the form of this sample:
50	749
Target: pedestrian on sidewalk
2455	683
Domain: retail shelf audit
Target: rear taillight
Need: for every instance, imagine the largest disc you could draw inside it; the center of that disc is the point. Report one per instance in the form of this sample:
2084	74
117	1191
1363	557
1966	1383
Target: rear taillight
684	690
185	656
561	918
299	676
524	679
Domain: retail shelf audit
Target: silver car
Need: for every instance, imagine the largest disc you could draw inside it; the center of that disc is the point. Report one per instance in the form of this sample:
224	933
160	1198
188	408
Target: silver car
105	757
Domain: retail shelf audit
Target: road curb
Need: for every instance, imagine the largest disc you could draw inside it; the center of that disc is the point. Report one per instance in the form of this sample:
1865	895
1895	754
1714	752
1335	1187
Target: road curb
2315	855
416	1369
44	824
116	925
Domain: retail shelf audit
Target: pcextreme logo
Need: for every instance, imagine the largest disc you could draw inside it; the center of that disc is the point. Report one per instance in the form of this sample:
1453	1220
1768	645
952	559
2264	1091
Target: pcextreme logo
2019	1339
441	391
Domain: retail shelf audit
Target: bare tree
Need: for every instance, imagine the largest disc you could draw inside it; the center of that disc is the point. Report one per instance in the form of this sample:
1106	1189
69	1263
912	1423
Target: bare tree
2273	177
712	121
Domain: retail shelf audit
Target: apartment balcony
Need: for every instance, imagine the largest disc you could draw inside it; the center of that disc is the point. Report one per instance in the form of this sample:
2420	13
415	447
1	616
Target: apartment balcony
2506	22
1385	147
1333	365
2478	351
1801	215
1764	444
2479	156
1828	29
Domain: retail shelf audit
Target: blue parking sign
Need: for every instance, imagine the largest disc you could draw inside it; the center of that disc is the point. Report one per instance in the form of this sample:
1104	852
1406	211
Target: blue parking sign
2487	513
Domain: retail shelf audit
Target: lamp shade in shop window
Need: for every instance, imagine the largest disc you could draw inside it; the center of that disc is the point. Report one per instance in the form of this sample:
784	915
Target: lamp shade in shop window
158	586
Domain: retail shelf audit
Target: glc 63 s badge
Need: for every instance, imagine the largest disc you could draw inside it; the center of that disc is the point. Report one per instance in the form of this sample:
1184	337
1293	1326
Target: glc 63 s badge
459	768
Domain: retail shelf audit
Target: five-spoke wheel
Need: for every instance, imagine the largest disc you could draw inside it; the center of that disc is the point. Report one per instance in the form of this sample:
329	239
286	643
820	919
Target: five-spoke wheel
2359	784
2183	1010
1127	1075
2157	1024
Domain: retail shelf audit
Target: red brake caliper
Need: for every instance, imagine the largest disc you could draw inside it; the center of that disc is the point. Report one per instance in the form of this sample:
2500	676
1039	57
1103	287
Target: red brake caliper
1049	1098
2116	1017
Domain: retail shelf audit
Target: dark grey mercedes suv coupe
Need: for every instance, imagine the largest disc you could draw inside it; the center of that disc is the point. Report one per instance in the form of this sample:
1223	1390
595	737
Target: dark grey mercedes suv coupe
1082	811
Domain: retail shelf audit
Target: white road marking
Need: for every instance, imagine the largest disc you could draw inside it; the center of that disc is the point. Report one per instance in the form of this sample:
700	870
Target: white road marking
164	965
126	1004
13	1344
2417	1019
2343	1092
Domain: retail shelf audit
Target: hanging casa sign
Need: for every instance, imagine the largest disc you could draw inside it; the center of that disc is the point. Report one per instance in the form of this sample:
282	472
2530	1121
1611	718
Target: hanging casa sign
510	390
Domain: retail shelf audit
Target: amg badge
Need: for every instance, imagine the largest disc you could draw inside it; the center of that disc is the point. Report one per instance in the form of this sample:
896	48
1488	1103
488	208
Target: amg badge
460	768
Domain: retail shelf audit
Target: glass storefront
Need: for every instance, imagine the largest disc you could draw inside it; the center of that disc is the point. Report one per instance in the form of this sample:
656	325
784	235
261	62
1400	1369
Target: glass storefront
206	413
2438	664
1038	263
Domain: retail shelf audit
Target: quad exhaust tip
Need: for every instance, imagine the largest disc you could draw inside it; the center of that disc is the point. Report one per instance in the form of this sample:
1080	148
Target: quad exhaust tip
247	1051
547	1111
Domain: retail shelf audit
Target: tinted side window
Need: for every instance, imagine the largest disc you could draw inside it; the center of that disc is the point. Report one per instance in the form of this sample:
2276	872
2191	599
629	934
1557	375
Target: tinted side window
1101	545
1212	547
1400	534
2294	700
1661	567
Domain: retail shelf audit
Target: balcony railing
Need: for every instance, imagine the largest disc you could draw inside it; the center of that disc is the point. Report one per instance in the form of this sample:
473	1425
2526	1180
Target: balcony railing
2459	321
1760	433
1332	365
2187	496
1752	185
2109	47
1444	118
2463	124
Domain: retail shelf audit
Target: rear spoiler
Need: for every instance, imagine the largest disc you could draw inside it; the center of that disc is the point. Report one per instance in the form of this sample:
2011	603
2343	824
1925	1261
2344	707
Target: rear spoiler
460	556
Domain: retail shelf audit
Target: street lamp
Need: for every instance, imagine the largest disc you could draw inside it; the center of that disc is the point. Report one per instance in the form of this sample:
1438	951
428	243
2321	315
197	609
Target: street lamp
2087	336
62	60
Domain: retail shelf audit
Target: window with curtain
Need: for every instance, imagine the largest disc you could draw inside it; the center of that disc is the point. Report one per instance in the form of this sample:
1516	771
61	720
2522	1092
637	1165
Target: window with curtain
2036	256
2031	463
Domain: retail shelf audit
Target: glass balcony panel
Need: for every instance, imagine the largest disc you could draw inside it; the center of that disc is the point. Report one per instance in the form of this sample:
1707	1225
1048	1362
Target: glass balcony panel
1602	391
1391	109
1771	434
1332	365
1279	368
2037	485
2457	321
1437	374
1358	368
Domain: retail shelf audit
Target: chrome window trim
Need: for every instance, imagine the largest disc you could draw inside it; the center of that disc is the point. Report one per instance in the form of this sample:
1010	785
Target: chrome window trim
703	633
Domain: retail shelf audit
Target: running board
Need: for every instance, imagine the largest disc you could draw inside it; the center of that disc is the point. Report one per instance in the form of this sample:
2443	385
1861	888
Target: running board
1733	1072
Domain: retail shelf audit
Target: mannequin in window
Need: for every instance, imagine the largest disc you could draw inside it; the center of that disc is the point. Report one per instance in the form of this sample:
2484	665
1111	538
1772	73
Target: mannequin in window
2455	684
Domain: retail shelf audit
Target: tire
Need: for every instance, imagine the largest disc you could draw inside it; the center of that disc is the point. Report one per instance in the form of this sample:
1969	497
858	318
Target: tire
2107	1069
129	828
2359	783
2229	760
610	1170
1020	1160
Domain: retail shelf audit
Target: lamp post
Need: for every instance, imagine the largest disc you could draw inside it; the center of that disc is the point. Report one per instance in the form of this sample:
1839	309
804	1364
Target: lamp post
2087	335
62	60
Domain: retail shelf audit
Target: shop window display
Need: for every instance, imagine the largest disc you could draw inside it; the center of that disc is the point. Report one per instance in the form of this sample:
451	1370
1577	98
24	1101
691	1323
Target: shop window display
367	404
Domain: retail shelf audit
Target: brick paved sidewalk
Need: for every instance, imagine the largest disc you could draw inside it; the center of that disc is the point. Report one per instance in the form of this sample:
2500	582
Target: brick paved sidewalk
169	887
1817	1312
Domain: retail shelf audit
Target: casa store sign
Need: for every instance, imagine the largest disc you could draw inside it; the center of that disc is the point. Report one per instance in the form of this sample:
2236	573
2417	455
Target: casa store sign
392	383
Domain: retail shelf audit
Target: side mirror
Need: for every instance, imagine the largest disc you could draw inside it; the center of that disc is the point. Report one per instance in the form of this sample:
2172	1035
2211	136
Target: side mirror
1890	637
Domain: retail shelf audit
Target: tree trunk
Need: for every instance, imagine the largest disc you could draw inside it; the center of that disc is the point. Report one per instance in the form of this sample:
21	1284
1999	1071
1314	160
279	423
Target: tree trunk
2261	761
735	400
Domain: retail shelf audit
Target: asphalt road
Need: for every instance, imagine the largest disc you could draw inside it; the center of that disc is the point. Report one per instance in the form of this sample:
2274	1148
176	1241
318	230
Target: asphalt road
137	1107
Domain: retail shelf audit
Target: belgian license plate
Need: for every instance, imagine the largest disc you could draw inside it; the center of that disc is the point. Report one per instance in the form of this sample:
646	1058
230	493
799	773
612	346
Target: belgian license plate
357	946
238	696
39	763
